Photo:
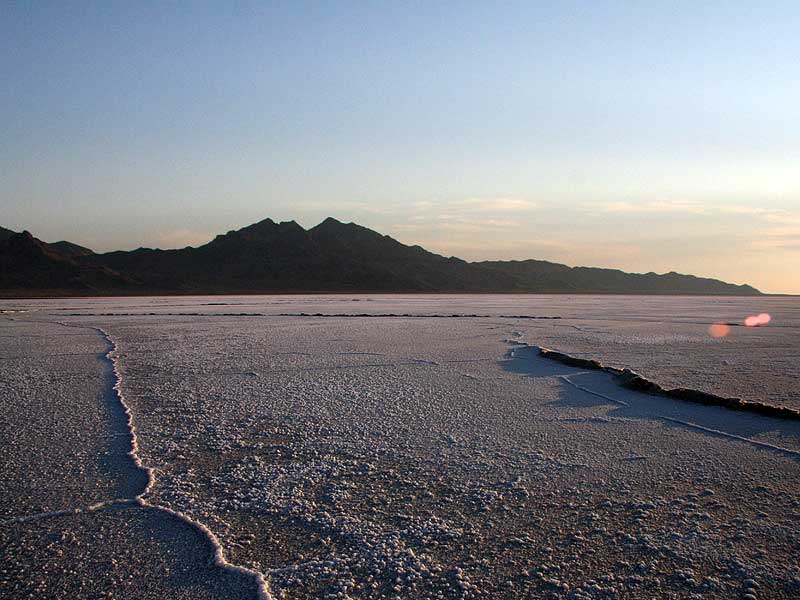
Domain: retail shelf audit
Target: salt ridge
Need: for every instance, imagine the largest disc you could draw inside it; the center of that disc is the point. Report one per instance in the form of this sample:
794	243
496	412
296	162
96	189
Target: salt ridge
632	380
595	365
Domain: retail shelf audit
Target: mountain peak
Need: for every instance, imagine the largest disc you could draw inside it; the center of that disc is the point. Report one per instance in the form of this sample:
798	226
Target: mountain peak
332	256
70	249
262	224
329	225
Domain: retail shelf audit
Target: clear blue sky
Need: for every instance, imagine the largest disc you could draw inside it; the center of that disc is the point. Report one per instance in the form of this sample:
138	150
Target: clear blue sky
645	136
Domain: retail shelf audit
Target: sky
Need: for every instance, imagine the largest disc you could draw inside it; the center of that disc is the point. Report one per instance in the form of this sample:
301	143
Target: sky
646	136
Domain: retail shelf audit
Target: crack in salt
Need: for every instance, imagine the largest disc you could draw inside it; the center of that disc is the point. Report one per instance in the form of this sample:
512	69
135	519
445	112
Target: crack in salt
112	356
633	381
592	392
733	436
545	353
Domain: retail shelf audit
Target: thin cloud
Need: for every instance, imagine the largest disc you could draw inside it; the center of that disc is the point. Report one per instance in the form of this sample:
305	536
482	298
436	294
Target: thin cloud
684	206
494	205
672	206
465	216
346	207
753	210
783	218
783	236
776	243
453	224
422	204
781	231
477	226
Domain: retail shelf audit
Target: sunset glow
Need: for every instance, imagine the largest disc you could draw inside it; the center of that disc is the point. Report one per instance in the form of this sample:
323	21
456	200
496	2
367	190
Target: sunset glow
577	133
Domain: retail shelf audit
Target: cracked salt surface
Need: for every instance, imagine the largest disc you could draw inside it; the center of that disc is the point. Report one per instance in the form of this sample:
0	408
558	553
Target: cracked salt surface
337	475
134	480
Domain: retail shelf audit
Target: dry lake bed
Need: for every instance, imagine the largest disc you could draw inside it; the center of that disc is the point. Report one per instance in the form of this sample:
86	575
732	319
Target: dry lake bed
388	446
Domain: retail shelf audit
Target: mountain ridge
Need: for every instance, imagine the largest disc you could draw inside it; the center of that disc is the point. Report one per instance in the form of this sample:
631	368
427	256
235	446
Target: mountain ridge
270	257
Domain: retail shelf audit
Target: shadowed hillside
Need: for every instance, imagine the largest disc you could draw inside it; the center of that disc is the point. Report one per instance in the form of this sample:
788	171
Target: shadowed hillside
30	265
283	257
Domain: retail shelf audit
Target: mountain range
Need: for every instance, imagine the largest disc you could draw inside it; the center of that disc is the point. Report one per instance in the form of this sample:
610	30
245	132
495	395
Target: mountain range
269	257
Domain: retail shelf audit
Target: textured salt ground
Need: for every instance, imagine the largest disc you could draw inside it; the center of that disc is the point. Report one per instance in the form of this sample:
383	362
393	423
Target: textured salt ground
71	526
416	459
665	338
63	441
116	553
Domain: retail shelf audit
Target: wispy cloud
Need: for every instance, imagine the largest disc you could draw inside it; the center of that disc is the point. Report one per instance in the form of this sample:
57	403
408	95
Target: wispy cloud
780	231
776	244
453	224
493	205
691	207
783	217
752	210
343	208
479	205
785	237
664	206
465	216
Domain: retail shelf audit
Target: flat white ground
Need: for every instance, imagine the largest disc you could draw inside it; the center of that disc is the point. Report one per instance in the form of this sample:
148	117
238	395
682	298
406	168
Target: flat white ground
398	456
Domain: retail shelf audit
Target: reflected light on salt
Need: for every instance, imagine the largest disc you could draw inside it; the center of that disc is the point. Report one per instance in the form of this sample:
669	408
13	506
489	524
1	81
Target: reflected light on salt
719	330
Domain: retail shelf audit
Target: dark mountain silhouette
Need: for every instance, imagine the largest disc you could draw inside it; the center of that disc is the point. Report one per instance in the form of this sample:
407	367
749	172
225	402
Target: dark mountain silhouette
6	233
70	249
284	257
553	277
30	265
332	256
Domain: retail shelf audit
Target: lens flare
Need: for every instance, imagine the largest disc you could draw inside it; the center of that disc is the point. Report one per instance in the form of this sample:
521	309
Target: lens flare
719	330
757	320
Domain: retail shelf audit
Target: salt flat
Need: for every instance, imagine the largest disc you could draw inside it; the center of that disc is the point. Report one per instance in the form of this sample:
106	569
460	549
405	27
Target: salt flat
398	456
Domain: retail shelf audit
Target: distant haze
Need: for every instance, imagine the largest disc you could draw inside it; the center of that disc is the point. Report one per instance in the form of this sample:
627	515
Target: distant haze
640	136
